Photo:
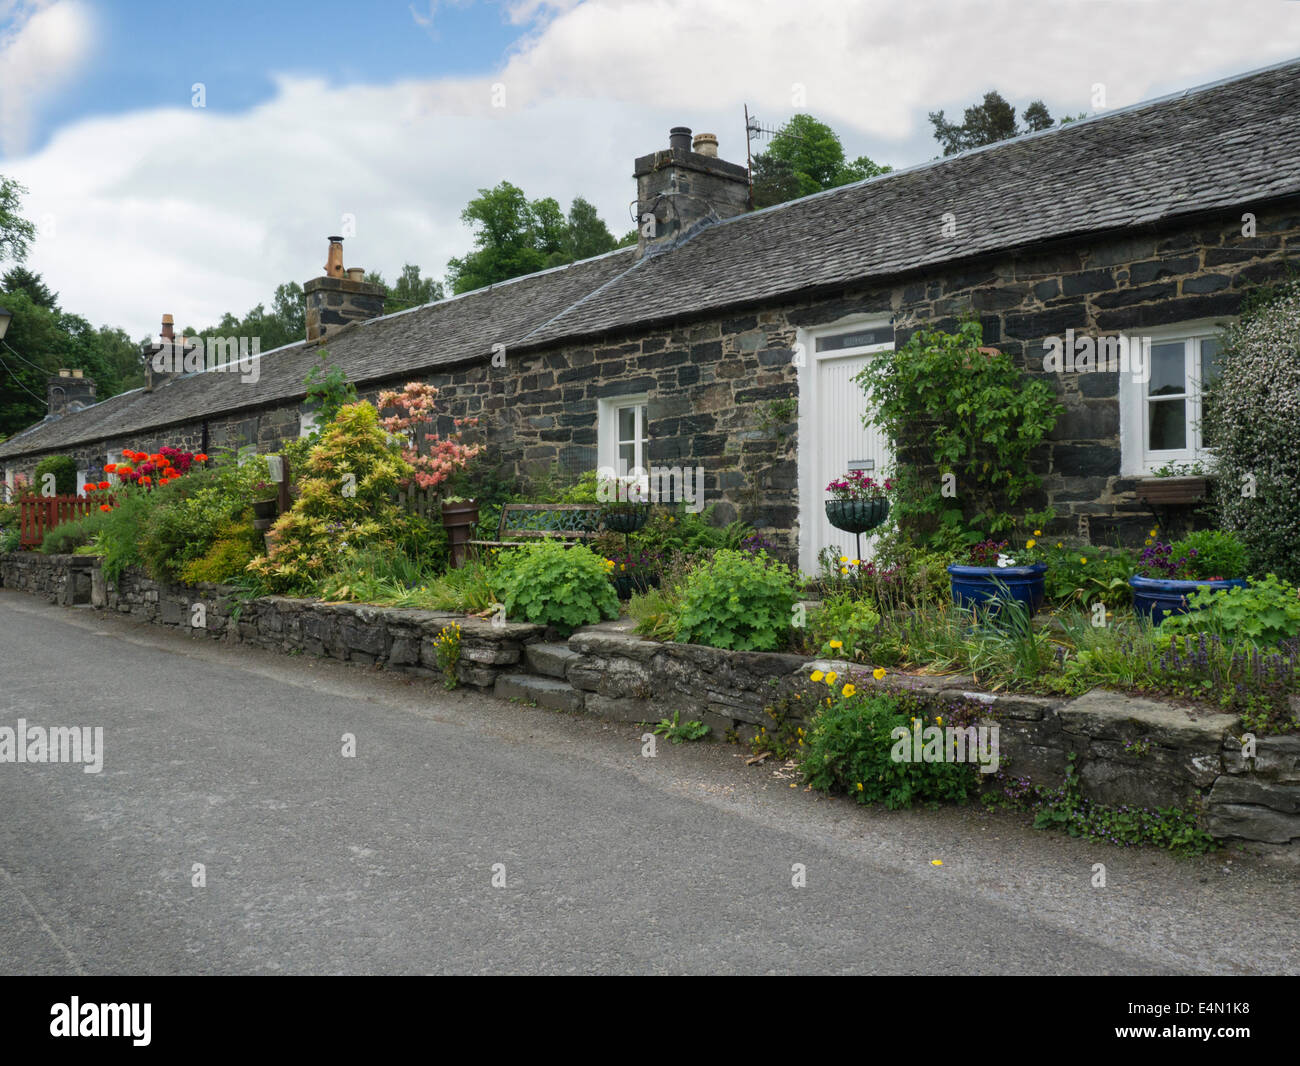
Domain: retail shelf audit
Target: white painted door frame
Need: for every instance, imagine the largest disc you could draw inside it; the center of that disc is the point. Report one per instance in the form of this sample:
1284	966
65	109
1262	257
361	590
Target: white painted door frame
812	490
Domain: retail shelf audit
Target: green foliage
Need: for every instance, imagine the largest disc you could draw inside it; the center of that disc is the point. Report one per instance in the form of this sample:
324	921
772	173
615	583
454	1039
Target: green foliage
328	390
672	528
123	527
16	232
549	584
471	588
850	746
67	537
655	611
1265	612
678	731
516	236
189	515
737	600
988	122
64	469
956	409
447	648
804	157
346	493
846	620
10	539
1211	553
1251	422
237	544
410	290
1084	576
1068	809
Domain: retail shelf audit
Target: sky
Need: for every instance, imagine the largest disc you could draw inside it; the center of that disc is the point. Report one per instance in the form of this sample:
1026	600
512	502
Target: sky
186	157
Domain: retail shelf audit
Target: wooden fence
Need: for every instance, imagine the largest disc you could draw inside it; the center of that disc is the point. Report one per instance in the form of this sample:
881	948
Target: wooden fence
40	514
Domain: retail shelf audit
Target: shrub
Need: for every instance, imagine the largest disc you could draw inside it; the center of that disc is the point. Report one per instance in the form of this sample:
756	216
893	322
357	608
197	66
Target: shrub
468	588
1266	612
1251	422
345	501
64	469
67	537
10	539
958	408
737	600
1211	553
237	544
850	744
549	584
843	626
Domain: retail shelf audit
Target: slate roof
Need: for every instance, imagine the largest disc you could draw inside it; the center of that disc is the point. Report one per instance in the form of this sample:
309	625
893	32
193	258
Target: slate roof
1233	142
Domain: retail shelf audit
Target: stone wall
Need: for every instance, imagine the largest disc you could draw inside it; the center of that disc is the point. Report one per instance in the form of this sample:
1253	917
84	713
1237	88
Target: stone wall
710	381
1134	751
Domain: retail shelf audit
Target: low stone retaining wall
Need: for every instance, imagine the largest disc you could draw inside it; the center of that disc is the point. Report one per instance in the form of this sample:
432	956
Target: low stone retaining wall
1133	751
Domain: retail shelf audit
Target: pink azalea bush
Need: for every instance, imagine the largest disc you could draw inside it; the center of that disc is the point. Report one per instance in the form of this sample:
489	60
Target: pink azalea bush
434	458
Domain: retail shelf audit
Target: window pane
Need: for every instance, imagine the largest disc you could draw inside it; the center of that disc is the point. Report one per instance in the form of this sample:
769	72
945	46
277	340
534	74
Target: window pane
1168	369
626	423
1168	425
626	458
1211	353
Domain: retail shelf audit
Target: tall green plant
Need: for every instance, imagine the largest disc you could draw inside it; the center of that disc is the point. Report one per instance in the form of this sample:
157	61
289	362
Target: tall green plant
953	407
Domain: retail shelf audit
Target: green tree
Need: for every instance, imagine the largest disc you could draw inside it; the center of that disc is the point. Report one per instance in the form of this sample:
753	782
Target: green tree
16	233
805	157
22	278
410	290
988	122
516	236
285	323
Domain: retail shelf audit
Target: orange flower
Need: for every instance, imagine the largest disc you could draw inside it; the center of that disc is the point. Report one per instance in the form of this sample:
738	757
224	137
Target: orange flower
146	480
105	485
105	507
110	468
201	457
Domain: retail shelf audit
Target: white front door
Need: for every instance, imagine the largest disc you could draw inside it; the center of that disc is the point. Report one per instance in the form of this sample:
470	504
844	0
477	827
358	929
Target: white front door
832	437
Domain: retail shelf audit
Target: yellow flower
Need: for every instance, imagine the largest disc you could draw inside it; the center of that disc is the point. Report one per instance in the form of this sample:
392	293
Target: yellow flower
855	562
837	643
879	673
816	675
1038	532
1149	542
938	721
1083	560
1030	542
844	558
831	675
844	569
1059	544
859	786
849	690
1154	532
936	862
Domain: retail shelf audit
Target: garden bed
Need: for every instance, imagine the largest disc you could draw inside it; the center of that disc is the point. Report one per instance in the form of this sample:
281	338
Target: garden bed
1129	751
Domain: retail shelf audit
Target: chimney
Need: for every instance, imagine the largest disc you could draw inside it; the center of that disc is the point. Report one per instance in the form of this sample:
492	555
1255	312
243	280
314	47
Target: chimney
340	296
684	185
163	360
69	391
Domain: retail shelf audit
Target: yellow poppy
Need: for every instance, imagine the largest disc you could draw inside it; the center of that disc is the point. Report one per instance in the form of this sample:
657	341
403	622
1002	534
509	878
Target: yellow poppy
816	675
1030	542
1038	532
1083	560
837	643
849	690
830	677
879	673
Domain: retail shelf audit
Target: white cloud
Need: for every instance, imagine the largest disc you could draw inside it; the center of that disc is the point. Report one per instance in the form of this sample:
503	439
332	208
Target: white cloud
195	213
40	52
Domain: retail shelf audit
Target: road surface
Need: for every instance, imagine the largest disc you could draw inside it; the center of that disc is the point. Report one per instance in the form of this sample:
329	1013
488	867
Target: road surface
384	862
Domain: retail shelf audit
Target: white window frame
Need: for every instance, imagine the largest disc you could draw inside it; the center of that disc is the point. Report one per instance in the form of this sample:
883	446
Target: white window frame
1136	458
812	495
306	423
607	437
81	482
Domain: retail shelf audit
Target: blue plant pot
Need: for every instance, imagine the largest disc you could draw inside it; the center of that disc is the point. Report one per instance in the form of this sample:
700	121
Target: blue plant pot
986	586
1155	597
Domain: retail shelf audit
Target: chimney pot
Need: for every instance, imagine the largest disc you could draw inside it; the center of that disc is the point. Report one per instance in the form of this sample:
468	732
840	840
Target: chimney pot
64	373
78	373
356	273
166	330
679	138
706	144
334	261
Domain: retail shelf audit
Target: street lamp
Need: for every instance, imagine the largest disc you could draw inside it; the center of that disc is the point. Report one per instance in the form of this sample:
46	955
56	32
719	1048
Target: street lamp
5	316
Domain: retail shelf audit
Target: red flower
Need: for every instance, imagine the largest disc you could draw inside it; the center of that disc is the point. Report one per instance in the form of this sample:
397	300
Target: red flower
110	468
105	485
146	480
105	507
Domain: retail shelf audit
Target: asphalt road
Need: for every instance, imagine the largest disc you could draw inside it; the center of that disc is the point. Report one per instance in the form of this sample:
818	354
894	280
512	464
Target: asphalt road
383	862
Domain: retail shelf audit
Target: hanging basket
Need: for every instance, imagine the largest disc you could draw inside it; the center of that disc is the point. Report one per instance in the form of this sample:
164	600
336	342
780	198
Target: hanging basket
857	516
625	517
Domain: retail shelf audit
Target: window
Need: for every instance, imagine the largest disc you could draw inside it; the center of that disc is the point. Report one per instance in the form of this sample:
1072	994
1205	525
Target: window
624	434
306	424
1160	418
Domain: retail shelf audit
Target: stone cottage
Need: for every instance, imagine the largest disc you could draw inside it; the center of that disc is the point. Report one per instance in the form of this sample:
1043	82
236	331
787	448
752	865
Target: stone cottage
1151	221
